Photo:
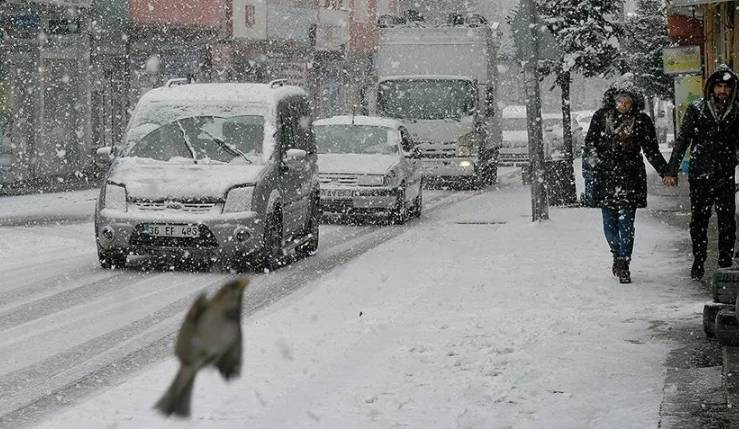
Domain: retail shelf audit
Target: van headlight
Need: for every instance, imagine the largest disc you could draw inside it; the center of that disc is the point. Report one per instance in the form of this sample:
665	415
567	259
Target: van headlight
466	145
115	197
371	180
238	199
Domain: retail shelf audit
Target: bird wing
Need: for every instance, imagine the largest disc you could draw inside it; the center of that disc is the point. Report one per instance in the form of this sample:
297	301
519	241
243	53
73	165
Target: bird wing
229	364
184	345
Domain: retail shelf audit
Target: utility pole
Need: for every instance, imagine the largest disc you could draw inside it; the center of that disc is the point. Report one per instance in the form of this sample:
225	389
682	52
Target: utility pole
539	204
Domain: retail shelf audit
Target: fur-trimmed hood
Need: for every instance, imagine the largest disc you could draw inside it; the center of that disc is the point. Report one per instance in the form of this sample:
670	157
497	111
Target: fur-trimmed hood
624	85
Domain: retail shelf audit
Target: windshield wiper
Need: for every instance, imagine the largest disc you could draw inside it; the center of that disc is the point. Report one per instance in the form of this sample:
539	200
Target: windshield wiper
187	142
227	147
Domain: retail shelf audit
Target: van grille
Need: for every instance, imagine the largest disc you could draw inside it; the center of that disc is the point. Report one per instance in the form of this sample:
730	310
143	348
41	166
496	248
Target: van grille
190	207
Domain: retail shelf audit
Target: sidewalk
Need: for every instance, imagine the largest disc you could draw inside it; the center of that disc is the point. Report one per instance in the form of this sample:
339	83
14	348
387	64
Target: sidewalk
474	317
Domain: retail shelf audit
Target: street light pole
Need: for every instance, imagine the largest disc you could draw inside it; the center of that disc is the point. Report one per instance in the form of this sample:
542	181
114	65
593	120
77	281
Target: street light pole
539	205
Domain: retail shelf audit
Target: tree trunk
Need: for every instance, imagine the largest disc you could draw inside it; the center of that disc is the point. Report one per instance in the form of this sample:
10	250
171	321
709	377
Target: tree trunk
568	192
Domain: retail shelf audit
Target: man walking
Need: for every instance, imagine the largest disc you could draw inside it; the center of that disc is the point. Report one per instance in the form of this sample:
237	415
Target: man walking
711	128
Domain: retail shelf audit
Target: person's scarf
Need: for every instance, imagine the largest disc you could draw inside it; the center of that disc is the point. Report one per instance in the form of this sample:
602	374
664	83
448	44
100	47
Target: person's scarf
621	127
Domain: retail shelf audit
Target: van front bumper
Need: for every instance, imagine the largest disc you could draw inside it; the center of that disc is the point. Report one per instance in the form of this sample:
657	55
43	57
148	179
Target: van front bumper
220	236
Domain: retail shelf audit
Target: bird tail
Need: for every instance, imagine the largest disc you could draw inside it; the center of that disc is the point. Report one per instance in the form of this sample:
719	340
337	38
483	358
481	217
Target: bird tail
176	400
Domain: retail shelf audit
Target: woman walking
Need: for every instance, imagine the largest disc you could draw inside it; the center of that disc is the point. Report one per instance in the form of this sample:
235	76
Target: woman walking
618	134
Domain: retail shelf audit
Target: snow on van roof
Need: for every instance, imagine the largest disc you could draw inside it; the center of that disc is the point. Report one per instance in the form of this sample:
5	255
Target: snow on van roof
427	77
253	93
373	121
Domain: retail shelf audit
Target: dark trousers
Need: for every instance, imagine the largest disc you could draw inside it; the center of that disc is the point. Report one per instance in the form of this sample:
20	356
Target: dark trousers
618	226
703	196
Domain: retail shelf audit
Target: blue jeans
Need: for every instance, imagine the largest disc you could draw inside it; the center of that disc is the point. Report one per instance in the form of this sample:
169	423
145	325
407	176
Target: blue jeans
618	225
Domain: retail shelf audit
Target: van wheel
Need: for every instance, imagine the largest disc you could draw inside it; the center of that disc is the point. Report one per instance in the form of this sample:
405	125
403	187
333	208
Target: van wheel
109	260
273	256
399	215
311	246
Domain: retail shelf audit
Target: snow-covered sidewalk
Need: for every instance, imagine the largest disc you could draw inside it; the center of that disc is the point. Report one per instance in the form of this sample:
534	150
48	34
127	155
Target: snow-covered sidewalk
473	318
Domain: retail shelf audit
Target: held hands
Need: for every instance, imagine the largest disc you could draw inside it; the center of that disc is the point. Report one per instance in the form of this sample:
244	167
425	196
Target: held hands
669	181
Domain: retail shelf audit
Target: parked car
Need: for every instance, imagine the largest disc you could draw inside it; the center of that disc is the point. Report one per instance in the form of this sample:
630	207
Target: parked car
213	172
515	147
554	137
368	166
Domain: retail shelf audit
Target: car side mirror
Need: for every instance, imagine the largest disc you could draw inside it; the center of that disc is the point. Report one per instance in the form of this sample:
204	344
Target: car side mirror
294	155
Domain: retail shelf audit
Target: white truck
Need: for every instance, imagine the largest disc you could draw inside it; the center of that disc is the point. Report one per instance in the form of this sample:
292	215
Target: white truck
440	80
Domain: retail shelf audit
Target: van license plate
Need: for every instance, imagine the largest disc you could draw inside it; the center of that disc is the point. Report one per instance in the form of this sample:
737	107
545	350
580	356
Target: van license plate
170	230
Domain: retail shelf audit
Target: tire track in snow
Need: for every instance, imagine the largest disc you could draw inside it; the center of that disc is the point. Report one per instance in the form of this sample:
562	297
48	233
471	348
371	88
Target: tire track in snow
113	356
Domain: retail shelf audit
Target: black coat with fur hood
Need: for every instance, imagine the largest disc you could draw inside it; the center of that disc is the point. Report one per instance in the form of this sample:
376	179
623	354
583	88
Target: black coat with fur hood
613	151
711	135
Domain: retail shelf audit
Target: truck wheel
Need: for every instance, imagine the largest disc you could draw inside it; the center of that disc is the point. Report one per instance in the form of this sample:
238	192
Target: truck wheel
493	178
709	318
725	285
109	260
727	328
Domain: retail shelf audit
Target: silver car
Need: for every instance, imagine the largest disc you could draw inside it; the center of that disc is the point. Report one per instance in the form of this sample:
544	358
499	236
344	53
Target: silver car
214	172
368	166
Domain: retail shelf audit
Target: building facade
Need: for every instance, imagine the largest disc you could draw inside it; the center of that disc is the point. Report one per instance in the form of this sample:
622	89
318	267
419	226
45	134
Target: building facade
45	120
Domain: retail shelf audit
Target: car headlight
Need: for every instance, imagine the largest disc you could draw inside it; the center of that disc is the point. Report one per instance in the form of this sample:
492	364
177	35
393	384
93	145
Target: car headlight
466	145
238	199
371	180
115	197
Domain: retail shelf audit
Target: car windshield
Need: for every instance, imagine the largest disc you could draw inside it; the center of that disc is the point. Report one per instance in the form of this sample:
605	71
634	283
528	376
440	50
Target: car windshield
355	139
200	139
427	99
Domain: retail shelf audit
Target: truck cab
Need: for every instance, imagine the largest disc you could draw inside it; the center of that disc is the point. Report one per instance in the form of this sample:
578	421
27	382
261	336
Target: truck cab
440	80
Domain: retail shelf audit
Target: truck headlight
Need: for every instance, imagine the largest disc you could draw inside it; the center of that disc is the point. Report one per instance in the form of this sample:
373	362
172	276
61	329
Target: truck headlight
238	199
115	197
370	180
466	145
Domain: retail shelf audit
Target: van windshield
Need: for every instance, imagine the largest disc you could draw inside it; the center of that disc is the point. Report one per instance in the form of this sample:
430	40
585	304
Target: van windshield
355	139
200	139
427	98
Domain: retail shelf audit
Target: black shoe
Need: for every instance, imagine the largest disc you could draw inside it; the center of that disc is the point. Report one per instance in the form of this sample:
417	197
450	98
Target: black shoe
725	263
696	273
622	271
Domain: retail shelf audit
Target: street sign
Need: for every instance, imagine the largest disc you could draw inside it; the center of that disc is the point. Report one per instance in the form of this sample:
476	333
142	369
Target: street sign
682	59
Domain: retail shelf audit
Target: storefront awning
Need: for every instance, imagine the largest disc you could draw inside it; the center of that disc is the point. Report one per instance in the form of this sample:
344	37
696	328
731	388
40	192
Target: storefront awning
681	3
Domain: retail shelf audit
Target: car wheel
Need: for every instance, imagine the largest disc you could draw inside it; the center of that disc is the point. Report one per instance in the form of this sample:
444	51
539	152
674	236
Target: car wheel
109	260
313	230
272	252
400	214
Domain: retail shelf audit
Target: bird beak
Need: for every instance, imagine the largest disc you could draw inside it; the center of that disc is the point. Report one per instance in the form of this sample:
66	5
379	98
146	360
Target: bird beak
243	282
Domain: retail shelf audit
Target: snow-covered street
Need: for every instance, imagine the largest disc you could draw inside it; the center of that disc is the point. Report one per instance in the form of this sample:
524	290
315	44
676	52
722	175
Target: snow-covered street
470	317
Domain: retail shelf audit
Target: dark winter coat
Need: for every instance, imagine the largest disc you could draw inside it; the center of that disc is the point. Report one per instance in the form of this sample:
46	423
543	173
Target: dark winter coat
619	177
712	136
